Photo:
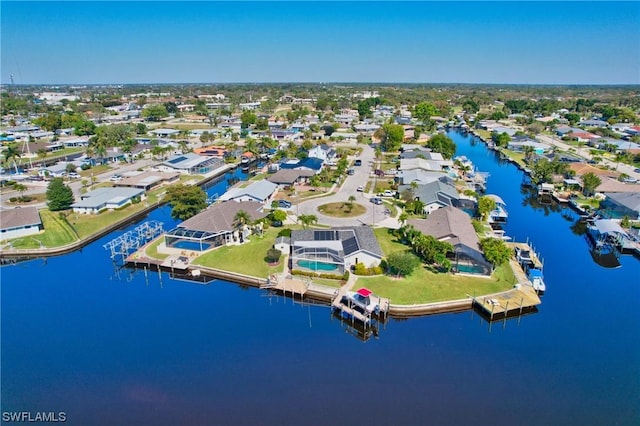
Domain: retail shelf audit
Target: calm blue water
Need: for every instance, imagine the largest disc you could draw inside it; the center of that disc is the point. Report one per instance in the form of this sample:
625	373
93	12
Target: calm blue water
114	348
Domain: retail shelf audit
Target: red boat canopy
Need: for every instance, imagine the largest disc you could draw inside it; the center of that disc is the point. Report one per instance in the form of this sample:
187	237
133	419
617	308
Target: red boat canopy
364	292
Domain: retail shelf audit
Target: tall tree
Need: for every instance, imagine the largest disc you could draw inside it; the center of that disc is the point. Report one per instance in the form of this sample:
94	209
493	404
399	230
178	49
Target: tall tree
59	195
443	144
485	205
186	200
307	219
495	250
424	111
11	153
155	112
391	136
241	219
590	181
402	263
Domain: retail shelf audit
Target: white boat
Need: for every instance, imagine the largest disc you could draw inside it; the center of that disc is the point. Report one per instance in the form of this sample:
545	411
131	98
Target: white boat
537	280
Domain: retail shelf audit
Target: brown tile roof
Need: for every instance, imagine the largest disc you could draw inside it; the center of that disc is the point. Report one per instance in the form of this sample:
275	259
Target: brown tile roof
18	217
221	216
583	169
454	226
614	185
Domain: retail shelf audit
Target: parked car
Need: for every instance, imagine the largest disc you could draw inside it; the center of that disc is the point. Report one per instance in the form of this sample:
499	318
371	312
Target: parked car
276	223
389	193
636	170
358	162
73	175
115	178
351	171
360	188
284	204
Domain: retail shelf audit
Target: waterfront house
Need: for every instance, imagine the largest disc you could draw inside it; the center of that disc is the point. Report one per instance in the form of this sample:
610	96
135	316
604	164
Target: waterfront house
19	222
106	198
148	180
614	185
518	145
288	177
434	195
438	165
190	163
260	191
452	225
214	226
212	151
620	204
405	177
334	250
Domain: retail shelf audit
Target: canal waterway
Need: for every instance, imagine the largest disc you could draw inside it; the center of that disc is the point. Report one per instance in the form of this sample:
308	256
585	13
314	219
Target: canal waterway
110	346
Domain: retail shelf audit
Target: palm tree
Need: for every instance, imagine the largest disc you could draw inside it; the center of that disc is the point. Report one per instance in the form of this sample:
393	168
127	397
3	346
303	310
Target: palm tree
42	153
241	219
183	147
403	218
307	219
350	201
315	182
528	152
11	153
20	188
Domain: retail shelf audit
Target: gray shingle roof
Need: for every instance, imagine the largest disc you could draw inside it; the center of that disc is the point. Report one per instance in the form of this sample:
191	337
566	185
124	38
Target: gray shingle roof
15	218
260	190
221	216
435	191
454	226
365	239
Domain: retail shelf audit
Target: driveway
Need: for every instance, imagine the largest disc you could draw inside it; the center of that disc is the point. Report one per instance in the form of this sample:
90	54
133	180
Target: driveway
374	215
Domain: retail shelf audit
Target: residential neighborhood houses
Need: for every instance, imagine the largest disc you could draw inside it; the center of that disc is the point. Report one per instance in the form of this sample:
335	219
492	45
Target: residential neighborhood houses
337	167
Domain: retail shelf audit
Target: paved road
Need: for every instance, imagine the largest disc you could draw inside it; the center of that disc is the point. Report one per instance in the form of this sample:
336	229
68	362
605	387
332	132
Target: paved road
40	187
375	214
585	152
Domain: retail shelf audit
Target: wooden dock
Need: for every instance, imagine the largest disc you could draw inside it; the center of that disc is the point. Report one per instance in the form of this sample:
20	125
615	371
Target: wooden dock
517	301
537	263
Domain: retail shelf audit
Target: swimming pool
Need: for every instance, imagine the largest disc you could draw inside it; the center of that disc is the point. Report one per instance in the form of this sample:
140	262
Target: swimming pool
317	266
191	245
471	269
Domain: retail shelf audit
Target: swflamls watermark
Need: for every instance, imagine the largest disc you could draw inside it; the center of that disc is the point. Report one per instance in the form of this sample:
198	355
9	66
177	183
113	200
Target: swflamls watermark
34	416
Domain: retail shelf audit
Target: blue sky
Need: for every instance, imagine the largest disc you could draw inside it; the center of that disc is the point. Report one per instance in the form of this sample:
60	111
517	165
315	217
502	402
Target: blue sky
218	42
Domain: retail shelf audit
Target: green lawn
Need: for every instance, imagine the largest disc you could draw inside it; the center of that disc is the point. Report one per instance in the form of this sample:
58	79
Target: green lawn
88	224
246	259
424	286
327	282
483	134
152	250
341	209
56	233
95	171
